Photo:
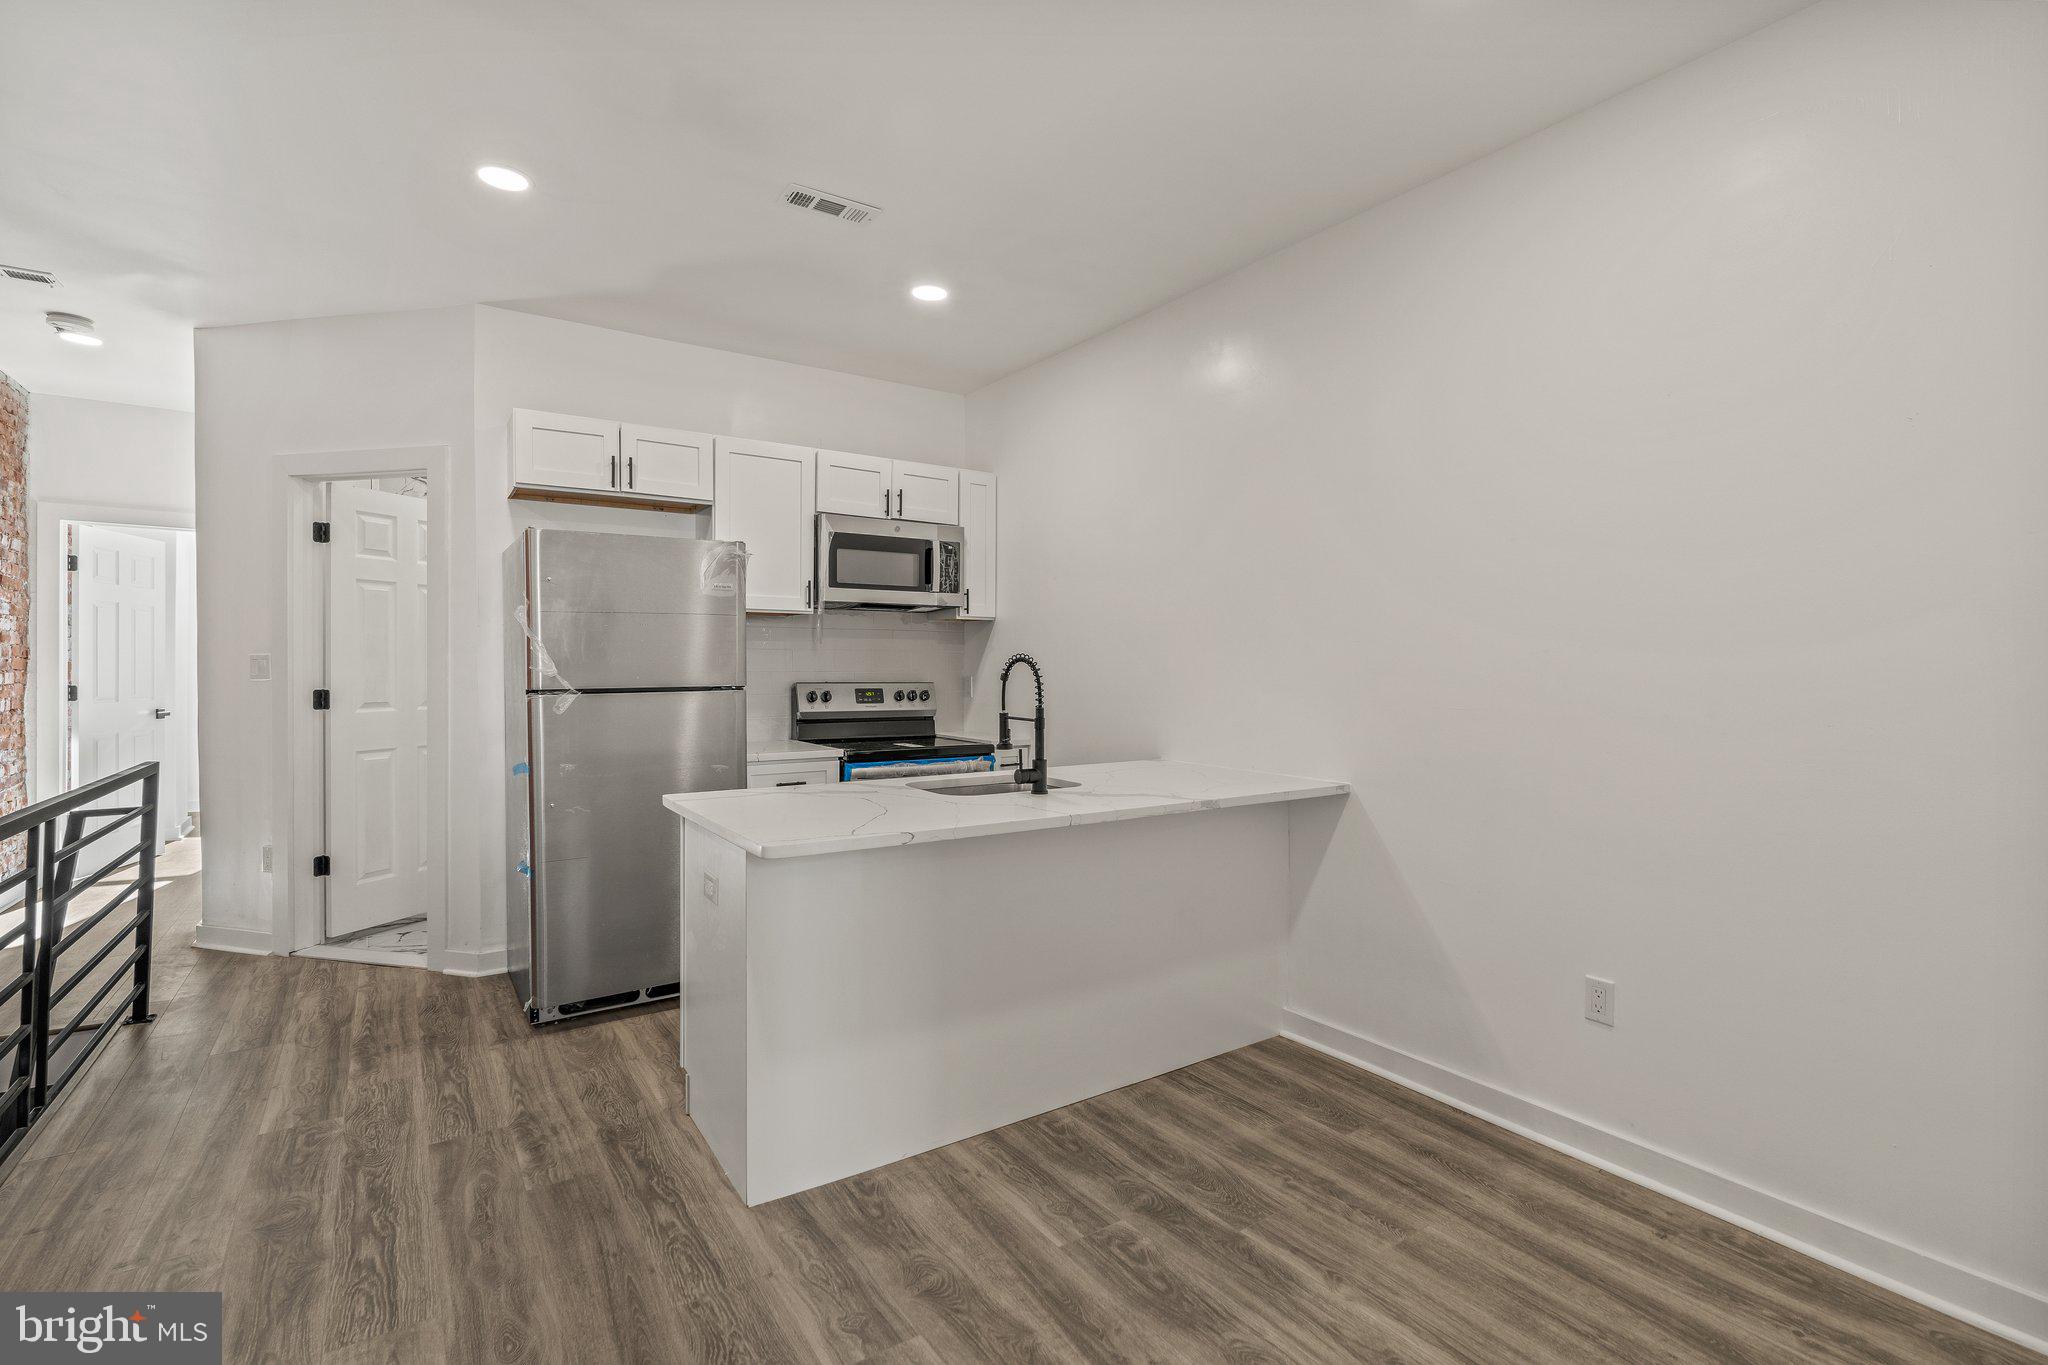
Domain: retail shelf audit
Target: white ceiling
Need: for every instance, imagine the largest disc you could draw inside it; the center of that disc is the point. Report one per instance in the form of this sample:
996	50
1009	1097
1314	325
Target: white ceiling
1062	164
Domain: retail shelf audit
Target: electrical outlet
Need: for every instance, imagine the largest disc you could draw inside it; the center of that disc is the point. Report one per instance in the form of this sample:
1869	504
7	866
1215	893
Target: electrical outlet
710	888
1600	1001
266	858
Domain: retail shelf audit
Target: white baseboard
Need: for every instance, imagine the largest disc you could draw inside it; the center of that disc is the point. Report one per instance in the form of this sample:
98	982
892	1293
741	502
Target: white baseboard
487	962
2010	1311
228	939
373	957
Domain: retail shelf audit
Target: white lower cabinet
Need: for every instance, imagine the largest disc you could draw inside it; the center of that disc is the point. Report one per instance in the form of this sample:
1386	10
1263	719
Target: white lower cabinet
800	772
767	497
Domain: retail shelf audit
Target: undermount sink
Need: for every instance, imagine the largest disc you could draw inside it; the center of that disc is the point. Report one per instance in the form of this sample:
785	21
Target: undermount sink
986	786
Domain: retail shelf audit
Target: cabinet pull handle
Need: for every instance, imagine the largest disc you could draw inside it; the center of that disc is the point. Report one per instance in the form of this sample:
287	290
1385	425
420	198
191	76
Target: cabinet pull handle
629	471
899	502
807	592
615	471
885	502
793	784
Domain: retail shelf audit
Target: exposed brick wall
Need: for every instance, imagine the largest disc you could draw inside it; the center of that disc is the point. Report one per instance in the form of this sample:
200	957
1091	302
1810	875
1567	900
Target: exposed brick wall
13	609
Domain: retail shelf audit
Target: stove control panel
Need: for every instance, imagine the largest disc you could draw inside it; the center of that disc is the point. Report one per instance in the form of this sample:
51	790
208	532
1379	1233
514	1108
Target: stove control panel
863	698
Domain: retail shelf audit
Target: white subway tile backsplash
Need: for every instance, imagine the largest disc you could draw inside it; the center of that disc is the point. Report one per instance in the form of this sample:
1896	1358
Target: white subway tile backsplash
783	651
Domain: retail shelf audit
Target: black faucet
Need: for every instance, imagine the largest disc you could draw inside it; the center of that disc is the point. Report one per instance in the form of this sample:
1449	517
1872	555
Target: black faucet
1036	773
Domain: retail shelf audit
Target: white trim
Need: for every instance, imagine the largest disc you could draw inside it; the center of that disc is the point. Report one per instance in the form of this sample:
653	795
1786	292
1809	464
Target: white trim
2008	1310
48	646
488	962
295	911
374	957
223	938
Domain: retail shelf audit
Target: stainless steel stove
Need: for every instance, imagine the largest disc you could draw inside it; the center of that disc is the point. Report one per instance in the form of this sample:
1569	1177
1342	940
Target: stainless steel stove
884	729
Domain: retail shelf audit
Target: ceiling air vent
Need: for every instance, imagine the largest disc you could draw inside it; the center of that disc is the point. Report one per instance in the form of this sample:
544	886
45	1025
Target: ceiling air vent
27	276
831	205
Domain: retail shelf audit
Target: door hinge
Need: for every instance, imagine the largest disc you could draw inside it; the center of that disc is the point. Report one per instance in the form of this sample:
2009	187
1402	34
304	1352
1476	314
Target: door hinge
320	866
71	692
320	531
71	563
320	699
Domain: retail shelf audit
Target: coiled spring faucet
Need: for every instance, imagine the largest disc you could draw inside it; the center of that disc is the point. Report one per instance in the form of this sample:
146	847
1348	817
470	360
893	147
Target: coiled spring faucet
1037	773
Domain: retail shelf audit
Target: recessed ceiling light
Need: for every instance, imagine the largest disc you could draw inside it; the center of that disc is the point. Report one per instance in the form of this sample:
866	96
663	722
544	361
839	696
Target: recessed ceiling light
73	328
928	293
502	178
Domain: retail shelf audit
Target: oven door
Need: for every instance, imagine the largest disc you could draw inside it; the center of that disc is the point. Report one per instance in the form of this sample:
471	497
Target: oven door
877	562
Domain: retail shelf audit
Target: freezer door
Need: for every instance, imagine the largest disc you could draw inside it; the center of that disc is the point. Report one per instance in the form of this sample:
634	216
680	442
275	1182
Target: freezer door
606	860
622	611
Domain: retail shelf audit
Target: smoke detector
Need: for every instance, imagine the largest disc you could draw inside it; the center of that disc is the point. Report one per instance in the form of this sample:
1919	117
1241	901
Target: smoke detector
831	205
26	275
73	328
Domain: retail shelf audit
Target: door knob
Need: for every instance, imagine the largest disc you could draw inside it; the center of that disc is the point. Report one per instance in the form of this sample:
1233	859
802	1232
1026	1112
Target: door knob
162	714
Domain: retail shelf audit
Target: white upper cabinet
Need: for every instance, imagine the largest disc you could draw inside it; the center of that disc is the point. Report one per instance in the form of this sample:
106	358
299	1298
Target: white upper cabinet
550	450
927	492
978	519
870	486
856	485
672	465
767	497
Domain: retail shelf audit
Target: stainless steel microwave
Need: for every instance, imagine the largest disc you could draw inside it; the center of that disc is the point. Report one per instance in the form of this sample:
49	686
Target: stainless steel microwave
877	562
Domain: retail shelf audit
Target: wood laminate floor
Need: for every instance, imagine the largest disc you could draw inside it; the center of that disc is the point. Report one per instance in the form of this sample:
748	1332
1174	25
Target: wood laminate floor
381	1164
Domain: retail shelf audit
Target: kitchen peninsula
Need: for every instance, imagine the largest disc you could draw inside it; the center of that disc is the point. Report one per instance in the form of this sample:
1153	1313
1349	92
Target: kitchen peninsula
874	969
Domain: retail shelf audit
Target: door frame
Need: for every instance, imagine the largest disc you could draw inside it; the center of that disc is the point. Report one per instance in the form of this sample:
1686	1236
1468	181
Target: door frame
298	788
49	624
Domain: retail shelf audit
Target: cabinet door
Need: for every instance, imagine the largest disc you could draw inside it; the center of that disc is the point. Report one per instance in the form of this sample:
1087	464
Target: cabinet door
550	450
667	464
767	497
854	485
927	492
978	519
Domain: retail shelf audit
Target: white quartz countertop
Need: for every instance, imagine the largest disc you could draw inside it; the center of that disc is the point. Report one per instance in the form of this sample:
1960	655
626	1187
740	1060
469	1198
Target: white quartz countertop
800	822
774	750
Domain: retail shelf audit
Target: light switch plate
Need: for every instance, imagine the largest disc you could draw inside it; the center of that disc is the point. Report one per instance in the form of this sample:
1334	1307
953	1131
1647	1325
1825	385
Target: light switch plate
259	668
710	888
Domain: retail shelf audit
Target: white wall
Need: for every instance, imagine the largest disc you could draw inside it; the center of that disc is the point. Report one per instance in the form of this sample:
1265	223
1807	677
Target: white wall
1647	520
265	392
83	450
130	465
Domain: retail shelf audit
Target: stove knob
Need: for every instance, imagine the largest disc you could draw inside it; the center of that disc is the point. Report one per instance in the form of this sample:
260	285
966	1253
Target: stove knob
811	695
924	696
899	694
827	696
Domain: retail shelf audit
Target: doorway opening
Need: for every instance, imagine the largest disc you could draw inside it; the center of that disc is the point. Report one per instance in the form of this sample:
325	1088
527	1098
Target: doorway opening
130	660
377	882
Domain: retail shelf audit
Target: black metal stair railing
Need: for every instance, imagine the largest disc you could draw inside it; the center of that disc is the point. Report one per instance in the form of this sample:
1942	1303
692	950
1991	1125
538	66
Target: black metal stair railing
39	1057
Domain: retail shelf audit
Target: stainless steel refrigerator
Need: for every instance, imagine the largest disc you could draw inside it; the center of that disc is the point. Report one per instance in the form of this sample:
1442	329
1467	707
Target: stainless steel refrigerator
626	672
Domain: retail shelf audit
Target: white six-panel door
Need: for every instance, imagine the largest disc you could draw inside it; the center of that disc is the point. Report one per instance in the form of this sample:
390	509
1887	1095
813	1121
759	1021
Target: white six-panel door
121	653
377	717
